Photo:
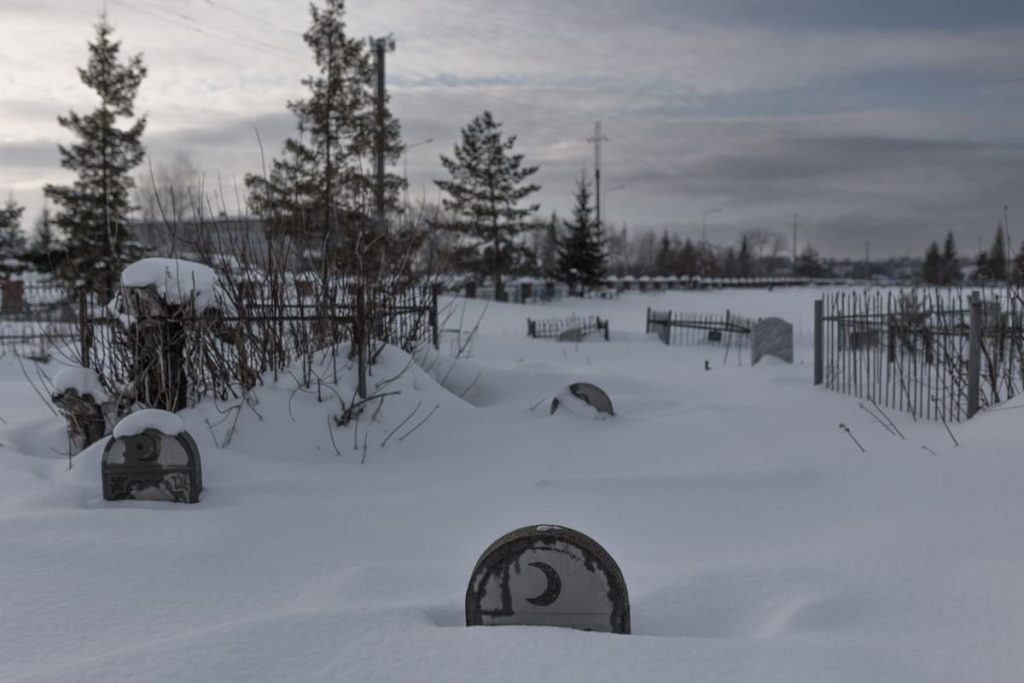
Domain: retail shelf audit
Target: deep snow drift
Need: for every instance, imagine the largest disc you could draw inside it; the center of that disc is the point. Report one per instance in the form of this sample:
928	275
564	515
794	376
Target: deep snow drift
757	542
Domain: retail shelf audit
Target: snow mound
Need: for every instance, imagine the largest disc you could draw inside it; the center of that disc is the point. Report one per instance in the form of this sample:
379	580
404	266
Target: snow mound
177	281
287	417
82	380
160	420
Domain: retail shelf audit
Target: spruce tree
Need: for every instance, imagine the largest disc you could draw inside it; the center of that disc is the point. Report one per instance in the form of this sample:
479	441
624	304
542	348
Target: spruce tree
808	264
45	252
548	249
93	211
487	186
1018	267
932	270
12	240
996	262
688	259
745	260
663	261
950	262
321	189
581	255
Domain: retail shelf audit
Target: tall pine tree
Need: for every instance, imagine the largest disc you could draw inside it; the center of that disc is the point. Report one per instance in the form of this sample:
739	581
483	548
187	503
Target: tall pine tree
321	189
487	185
581	255
93	211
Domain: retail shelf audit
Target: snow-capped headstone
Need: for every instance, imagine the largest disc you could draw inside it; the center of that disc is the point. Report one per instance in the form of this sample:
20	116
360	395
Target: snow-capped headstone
152	457
771	337
583	399
79	396
548	576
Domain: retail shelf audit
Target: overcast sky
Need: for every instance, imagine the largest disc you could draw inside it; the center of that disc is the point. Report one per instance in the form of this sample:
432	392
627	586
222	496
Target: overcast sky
889	121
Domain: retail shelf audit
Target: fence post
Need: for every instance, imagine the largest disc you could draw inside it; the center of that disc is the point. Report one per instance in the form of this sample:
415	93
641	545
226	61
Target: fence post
648	328
83	327
819	341
974	357
13	297
360	339
434	331
531	328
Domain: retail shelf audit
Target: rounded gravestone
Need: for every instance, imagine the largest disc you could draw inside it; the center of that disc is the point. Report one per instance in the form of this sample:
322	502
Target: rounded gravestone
587	393
152	457
548	575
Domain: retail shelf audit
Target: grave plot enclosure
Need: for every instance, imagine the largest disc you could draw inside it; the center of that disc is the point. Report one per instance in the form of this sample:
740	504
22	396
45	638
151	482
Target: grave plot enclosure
936	354
566	329
697	329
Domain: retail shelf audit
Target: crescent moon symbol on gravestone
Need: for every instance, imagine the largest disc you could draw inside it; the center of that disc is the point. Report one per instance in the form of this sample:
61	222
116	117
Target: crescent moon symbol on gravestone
553	589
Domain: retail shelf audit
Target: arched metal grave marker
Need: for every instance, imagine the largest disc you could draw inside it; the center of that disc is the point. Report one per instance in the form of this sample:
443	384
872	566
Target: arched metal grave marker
148	464
548	576
591	394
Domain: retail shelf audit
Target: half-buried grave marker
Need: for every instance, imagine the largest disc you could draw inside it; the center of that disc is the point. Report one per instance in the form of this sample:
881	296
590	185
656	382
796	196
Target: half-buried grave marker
578	396
548	576
152	457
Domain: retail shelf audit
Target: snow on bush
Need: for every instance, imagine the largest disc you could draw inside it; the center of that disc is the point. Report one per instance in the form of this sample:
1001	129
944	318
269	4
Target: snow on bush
177	281
82	380
160	420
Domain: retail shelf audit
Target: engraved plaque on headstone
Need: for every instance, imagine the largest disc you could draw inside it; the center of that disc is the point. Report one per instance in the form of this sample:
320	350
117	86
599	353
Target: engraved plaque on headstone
771	337
548	576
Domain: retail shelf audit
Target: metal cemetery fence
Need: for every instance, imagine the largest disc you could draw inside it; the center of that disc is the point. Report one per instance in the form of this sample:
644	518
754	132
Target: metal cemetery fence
552	328
36	319
694	329
264	329
937	354
186	354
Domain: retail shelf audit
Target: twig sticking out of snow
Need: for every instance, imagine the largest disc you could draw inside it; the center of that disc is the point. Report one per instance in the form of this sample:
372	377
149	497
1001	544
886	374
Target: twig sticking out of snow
400	425
330	431
945	424
420	423
887	418
877	419
471	384
929	450
847	430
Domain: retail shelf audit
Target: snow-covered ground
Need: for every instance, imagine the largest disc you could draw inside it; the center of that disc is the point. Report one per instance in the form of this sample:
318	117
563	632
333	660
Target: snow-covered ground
757	542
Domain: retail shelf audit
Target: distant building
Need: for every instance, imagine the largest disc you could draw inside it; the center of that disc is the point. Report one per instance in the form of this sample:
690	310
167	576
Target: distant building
203	238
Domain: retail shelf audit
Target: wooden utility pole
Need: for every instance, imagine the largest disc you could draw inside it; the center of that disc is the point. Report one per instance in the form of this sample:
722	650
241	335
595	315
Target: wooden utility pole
597	140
